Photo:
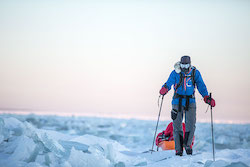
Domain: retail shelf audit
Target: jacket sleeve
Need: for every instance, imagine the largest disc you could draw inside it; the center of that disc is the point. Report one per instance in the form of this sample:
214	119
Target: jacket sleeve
200	84
170	81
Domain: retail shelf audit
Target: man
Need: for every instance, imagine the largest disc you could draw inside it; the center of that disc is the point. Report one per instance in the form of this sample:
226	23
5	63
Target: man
185	78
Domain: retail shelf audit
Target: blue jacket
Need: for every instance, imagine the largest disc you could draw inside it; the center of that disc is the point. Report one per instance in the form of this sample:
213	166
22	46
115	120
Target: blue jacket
187	87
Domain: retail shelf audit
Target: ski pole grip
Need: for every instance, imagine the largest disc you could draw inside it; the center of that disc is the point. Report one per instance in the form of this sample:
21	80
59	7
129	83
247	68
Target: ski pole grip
210	95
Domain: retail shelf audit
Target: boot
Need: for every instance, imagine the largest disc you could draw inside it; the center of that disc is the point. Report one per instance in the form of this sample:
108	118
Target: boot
180	152
188	149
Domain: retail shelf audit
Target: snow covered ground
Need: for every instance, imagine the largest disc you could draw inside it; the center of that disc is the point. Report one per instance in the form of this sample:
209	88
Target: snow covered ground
35	141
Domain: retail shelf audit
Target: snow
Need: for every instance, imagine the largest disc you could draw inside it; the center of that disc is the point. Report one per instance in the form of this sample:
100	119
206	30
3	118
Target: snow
39	141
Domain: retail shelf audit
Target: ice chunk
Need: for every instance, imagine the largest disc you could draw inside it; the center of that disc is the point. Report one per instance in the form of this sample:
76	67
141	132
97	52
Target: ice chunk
13	163
67	145
14	125
76	145
33	164
24	149
120	164
52	160
65	164
79	159
48	143
144	163
237	164
52	145
108	148
218	163
40	159
93	140
110	153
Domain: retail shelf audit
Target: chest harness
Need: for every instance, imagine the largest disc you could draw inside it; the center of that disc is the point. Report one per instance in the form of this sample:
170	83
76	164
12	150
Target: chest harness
187	97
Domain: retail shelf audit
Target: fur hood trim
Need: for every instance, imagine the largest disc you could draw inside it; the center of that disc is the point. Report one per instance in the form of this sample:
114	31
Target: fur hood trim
177	67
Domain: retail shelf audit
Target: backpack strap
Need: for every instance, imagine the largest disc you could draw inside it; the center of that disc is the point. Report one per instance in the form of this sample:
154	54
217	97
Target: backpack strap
193	76
182	77
180	82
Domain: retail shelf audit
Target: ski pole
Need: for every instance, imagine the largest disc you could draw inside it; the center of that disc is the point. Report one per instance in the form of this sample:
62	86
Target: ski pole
157	125
212	127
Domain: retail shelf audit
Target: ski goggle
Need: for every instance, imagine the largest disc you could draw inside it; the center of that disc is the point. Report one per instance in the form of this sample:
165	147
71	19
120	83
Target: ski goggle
185	65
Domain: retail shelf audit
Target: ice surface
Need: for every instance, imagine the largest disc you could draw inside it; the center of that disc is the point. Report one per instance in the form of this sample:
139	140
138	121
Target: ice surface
1	130
31	140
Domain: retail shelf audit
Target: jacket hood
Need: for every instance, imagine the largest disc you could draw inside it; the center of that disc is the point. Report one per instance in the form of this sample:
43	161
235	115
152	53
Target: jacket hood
177	67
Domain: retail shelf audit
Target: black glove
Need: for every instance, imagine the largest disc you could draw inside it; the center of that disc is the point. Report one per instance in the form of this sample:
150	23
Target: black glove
174	113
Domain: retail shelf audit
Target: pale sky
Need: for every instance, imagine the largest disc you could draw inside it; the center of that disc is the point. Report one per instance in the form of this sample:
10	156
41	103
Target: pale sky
110	58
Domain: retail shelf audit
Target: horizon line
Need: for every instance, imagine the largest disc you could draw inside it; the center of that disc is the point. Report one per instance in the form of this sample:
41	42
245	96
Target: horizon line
101	115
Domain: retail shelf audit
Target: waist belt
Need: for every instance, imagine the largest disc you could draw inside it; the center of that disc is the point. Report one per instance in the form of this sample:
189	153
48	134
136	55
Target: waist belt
187	97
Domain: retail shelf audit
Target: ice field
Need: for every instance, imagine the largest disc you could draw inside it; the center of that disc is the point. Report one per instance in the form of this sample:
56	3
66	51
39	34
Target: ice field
38	141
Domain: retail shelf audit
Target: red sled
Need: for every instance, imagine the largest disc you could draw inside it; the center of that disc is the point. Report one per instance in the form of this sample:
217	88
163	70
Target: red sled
165	139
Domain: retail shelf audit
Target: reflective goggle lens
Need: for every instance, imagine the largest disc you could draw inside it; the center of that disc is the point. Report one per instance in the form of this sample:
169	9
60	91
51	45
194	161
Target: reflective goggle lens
185	65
